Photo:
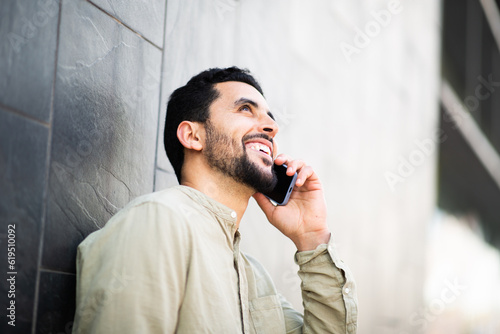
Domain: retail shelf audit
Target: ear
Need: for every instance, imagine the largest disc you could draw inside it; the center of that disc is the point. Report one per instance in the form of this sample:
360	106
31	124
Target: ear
189	134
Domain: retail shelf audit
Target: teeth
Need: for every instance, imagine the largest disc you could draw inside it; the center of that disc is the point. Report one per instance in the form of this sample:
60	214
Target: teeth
259	147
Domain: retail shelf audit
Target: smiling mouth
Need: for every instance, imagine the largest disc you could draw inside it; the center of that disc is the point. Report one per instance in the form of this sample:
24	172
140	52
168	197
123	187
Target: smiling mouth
260	148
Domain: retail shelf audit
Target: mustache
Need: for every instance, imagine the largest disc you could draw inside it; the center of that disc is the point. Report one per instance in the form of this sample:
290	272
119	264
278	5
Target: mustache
257	135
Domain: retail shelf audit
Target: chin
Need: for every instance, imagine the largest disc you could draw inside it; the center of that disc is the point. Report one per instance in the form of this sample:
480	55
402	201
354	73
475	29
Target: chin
268	171
268	167
268	163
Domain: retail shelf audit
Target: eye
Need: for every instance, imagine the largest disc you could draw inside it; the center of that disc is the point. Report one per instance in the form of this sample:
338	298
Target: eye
245	108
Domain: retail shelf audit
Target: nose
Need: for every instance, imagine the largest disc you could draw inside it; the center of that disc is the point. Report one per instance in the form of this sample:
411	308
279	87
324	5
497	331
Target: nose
269	126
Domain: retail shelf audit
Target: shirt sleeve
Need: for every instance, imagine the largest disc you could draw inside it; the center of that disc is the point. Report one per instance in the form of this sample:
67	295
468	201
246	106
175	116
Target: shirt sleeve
328	292
124	279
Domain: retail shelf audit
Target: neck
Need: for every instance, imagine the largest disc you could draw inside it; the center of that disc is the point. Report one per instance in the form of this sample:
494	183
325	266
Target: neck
221	188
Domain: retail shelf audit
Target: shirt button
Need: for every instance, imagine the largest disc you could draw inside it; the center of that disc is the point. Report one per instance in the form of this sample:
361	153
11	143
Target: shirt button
233	214
346	290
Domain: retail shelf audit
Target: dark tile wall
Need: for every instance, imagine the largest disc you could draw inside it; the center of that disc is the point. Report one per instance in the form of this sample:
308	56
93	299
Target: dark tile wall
80	87
57	303
104	127
148	21
28	35
23	156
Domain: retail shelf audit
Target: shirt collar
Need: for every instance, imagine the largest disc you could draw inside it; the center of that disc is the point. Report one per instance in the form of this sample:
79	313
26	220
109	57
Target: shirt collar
222	212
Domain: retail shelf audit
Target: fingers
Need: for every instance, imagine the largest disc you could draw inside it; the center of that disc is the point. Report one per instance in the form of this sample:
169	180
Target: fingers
293	165
303	175
304	172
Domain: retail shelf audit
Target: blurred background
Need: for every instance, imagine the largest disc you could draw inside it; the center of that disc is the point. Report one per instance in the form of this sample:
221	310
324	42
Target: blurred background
394	103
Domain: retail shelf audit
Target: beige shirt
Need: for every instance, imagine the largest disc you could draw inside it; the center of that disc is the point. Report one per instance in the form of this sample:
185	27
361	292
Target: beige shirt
169	262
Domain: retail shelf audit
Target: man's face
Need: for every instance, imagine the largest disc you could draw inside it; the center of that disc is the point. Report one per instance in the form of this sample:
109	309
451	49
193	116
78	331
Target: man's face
239	136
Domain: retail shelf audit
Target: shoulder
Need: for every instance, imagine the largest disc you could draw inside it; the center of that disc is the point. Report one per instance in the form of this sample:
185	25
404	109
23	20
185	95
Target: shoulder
164	207
147	238
173	199
164	213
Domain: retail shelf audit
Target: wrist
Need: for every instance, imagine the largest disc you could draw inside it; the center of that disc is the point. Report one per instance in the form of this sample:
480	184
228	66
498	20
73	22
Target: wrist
310	241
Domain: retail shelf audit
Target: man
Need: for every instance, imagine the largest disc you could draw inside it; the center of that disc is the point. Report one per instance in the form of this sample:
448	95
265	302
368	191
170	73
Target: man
169	262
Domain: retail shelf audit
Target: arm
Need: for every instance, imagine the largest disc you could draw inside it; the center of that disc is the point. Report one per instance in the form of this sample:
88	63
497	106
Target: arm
327	286
120	269
328	292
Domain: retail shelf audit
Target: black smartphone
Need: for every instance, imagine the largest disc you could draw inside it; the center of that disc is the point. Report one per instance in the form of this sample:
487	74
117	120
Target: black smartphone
283	189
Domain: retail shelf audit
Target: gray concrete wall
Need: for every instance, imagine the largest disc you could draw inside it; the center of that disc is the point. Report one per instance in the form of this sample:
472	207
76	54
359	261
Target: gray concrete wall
84	86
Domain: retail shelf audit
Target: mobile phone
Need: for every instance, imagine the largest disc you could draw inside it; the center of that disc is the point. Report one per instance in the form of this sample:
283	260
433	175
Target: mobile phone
283	189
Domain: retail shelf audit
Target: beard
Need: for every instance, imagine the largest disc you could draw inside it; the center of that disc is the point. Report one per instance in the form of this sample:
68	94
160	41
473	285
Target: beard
226	155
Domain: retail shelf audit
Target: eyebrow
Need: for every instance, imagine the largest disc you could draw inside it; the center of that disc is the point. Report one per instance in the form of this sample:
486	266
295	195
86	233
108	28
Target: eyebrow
254	104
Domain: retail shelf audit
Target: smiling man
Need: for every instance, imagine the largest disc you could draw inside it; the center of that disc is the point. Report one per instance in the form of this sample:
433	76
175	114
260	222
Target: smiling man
169	262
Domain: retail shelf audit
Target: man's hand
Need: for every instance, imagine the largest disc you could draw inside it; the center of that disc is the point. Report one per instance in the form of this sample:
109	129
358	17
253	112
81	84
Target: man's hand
303	219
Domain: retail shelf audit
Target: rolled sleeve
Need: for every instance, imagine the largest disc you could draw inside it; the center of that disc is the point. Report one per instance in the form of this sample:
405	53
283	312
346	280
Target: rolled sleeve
328	291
